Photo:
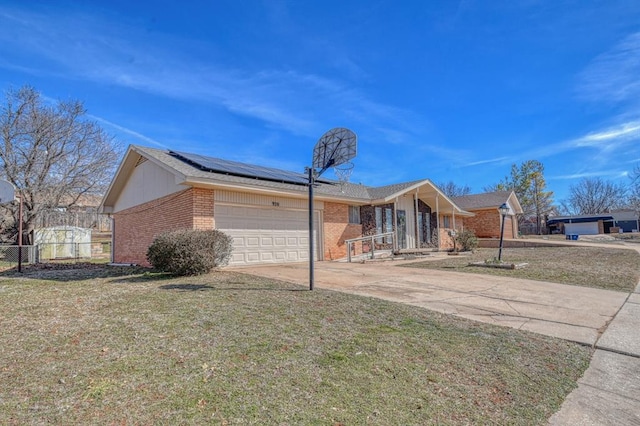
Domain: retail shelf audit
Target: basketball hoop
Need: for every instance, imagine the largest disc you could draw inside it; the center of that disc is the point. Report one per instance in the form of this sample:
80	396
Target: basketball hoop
343	173
334	149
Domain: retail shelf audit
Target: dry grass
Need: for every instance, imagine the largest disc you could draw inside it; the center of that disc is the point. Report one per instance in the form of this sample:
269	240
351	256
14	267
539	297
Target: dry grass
104	346
599	267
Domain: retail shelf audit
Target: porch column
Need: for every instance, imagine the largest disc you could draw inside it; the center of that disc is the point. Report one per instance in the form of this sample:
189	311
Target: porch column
418	233
395	224
438	217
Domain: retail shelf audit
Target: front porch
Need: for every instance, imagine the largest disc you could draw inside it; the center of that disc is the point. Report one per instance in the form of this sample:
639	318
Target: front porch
418	217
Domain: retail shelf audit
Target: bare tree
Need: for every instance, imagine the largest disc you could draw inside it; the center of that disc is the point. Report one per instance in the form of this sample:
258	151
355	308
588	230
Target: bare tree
53	155
451	189
594	196
634	196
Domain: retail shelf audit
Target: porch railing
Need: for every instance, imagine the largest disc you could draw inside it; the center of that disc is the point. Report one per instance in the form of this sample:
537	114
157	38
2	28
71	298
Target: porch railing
372	243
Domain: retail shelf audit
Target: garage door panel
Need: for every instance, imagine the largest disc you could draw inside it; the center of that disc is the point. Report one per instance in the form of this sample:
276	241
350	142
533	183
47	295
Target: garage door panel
238	241
588	228
252	242
265	235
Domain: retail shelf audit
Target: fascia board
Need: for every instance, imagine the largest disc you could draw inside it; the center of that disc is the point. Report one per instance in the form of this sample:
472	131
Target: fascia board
117	183
125	169
428	182
402	192
513	200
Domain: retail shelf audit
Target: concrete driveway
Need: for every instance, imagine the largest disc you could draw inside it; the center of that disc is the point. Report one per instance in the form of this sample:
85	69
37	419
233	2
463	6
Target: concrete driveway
573	313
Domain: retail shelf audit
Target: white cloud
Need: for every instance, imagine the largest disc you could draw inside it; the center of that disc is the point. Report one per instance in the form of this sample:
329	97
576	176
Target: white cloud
609	138
600	173
88	47
127	131
500	160
613	75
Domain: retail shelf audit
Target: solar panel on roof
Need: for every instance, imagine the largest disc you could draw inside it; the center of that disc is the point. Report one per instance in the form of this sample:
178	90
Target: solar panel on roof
217	165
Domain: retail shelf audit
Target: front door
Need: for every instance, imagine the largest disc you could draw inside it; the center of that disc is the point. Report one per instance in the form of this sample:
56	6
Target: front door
402	228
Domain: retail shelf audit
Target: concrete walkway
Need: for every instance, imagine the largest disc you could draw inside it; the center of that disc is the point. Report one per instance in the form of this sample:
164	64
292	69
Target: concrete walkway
609	391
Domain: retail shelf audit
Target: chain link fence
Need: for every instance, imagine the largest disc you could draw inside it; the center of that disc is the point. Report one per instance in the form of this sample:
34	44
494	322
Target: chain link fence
9	255
56	252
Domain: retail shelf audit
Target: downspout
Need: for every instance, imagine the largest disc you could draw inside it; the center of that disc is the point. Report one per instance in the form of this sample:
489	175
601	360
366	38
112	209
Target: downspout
113	239
438	217
416	218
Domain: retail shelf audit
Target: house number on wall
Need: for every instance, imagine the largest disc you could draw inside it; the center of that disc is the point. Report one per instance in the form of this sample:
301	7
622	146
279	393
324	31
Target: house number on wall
275	204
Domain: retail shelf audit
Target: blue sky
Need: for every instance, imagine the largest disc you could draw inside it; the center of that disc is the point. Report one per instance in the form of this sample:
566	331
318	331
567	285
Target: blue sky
445	90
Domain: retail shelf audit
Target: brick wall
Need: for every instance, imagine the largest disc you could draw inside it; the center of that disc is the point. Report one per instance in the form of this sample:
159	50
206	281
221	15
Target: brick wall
486	224
136	227
203	209
337	229
446	240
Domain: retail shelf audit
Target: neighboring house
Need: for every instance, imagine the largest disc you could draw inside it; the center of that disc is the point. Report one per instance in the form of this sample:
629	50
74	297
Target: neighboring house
605	223
266	210
83	213
578	224
487	221
622	221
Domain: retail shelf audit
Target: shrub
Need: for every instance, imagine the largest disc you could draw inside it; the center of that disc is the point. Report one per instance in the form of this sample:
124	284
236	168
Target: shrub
190	251
467	240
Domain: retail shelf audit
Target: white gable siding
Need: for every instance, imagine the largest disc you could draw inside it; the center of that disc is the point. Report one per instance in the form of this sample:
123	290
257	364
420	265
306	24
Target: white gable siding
246	198
147	182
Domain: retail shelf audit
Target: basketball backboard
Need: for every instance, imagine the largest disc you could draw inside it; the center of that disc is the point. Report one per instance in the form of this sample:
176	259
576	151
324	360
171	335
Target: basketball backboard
335	147
7	192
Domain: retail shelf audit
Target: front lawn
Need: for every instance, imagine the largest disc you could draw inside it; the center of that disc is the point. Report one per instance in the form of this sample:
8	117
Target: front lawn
600	267
96	347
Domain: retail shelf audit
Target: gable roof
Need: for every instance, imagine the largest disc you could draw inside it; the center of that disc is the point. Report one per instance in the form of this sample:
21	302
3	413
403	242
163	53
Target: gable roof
488	200
239	176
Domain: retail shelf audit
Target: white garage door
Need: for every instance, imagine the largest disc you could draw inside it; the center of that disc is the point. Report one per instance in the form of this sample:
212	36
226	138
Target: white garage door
266	235
588	228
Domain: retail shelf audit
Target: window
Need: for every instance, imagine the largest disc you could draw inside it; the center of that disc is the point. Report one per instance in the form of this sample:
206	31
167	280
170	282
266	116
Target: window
446	221
388	224
384	223
354	215
424	225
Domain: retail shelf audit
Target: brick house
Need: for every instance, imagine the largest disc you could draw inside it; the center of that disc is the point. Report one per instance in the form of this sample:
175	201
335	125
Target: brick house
266	210
486	221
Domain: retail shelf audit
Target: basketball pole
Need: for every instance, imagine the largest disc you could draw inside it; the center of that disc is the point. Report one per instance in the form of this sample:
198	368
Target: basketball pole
311	182
20	235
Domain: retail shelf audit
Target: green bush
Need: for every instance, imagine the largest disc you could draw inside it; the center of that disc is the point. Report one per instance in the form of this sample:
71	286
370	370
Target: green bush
466	240
190	251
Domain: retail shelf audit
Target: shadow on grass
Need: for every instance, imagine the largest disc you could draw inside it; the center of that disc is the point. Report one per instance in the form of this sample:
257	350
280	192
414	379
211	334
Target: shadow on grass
73	272
187	287
204	287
